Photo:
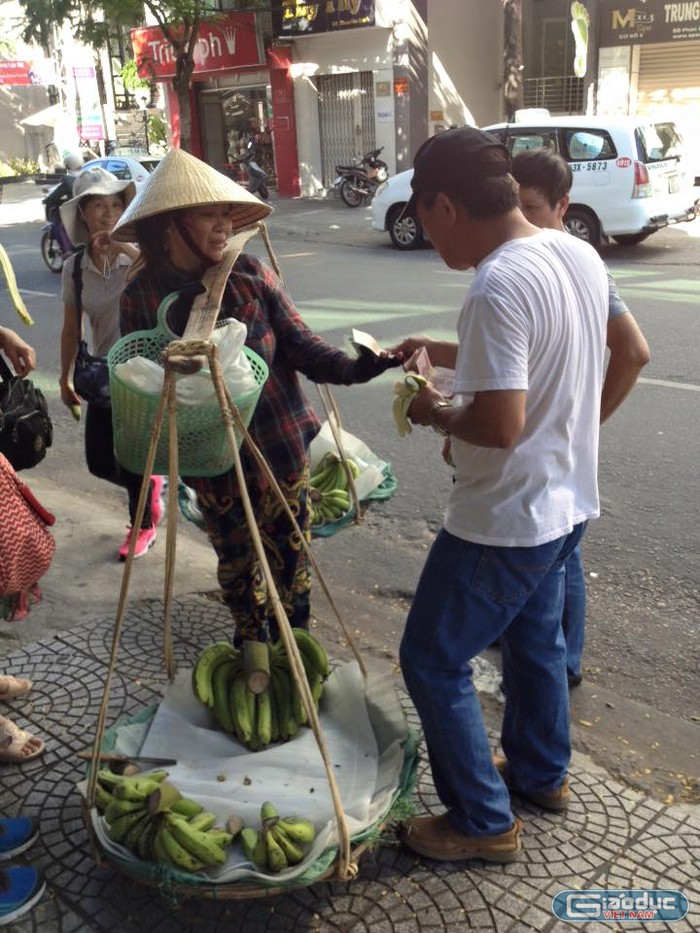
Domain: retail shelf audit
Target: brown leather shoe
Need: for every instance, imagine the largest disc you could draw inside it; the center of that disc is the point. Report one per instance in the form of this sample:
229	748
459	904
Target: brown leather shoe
434	837
554	800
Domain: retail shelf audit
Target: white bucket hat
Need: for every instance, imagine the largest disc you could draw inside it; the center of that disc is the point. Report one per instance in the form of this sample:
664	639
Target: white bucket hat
180	181
93	181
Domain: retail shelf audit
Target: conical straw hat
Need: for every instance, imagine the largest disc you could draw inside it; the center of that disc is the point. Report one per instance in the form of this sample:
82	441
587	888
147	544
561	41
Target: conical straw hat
180	180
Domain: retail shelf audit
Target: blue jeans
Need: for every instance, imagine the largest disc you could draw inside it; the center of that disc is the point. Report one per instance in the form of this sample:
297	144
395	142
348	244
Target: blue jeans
468	595
573	620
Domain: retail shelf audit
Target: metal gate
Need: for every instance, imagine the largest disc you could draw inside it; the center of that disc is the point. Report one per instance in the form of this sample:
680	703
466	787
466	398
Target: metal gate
346	119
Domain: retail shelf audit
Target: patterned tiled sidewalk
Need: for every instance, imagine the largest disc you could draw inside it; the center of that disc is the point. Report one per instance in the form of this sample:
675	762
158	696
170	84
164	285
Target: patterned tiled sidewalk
611	836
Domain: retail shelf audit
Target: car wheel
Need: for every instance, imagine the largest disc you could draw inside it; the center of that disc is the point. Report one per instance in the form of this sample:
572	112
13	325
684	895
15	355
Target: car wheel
631	239
584	225
404	229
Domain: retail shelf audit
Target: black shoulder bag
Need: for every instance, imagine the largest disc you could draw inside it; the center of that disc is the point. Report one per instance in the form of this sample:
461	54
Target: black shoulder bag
90	373
25	425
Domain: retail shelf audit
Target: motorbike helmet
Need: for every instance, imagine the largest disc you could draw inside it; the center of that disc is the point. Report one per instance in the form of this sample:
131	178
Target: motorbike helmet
73	162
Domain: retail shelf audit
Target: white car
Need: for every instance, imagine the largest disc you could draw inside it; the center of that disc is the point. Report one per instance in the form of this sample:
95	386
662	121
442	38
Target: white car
631	177
134	168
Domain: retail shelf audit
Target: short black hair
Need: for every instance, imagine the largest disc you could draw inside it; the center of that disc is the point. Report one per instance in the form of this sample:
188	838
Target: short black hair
544	170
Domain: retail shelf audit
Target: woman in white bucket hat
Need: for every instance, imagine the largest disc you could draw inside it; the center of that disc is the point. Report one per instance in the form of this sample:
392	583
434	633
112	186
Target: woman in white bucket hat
92	282
182	219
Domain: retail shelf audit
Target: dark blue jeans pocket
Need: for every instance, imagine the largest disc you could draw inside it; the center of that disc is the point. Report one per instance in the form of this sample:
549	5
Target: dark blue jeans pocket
511	574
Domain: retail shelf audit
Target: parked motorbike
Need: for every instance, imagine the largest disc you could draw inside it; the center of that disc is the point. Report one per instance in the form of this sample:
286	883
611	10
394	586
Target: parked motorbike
359	181
257	176
55	242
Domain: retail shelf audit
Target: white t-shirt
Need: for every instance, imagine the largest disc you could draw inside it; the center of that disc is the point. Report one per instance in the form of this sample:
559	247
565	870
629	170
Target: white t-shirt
99	298
534	319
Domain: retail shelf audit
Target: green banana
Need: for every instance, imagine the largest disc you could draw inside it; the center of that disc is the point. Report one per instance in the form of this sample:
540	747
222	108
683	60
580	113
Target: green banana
144	844
268	812
135	790
297	829
199	844
276	859
117	808
134	833
102	798
185	806
221	688
202	821
158	849
254	847
282	699
251	705
203	669
119	828
313	654
177	854
220	837
109	779
239	709
298	708
293	853
263	717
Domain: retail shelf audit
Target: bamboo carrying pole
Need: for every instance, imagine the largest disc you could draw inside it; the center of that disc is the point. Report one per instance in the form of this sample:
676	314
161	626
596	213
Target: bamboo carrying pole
188	355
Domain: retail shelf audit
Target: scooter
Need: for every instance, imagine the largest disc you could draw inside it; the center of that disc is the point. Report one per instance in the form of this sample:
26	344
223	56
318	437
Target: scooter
358	182
257	176
56	246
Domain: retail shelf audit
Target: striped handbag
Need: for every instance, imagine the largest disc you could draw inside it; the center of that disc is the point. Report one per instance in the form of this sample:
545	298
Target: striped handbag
26	547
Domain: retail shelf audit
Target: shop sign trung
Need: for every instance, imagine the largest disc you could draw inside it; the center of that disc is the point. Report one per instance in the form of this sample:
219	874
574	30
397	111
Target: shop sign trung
648	21
228	42
304	19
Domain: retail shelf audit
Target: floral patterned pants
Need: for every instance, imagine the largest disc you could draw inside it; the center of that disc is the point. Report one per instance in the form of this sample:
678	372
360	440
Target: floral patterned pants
240	572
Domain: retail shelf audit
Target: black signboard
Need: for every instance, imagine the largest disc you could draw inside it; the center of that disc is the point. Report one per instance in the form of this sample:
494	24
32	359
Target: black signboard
646	21
292	18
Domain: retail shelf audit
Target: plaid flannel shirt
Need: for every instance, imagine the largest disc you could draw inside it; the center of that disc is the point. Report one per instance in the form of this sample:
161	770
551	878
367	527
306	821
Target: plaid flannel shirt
284	423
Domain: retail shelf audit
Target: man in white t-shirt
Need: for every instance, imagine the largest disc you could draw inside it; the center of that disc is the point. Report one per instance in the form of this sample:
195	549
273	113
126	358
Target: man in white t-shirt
523	425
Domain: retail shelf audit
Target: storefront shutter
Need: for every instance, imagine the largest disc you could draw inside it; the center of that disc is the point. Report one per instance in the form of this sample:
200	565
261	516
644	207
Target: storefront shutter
669	77
346	119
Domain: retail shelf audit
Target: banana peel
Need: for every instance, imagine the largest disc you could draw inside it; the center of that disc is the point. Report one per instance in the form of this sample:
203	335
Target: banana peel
404	393
12	288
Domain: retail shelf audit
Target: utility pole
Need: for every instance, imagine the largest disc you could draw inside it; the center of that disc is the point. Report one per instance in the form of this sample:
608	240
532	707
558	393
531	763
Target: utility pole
512	57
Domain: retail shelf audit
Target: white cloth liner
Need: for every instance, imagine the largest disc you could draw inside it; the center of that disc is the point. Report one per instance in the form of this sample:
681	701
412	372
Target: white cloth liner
364	729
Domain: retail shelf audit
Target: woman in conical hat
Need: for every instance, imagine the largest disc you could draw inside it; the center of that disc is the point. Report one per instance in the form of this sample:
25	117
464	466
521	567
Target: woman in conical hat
182	220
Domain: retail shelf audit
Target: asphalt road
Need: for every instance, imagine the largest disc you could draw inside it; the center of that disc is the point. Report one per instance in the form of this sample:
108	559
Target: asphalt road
641	556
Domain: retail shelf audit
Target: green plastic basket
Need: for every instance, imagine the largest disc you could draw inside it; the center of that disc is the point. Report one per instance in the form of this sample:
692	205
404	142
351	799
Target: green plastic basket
202	439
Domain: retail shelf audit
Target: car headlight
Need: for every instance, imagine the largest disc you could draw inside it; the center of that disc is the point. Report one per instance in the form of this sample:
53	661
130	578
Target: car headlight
381	188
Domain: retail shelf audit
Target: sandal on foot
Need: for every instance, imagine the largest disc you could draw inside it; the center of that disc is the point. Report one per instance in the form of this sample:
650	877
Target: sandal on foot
11	687
16	745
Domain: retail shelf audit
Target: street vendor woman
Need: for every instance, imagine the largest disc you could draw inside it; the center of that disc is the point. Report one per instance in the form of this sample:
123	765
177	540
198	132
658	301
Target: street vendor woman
182	220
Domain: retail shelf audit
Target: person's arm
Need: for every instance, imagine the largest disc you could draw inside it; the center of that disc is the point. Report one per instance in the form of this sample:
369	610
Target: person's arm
491	419
441	352
629	354
69	350
18	351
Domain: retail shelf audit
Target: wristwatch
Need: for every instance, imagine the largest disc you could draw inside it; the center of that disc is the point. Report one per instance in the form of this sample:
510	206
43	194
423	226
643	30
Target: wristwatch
434	408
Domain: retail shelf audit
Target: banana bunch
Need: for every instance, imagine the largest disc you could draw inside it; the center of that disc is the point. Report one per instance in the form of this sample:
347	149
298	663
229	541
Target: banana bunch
153	820
278	843
257	719
329	495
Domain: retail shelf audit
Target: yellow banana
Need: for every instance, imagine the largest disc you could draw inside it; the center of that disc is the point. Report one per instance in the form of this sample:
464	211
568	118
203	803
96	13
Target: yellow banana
220	837
11	281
